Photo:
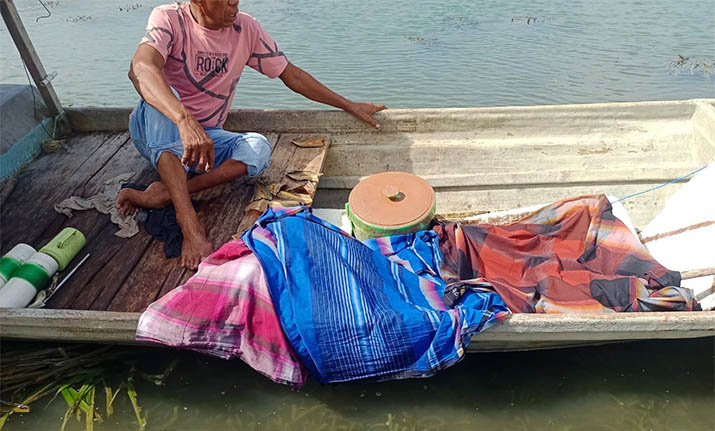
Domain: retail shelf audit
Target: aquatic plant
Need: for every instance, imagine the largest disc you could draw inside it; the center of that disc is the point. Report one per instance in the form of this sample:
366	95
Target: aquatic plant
692	66
73	373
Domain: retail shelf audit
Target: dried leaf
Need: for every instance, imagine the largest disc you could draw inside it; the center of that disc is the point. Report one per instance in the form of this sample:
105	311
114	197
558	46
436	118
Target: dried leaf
262	192
304	176
310	143
275	188
304	188
258	205
305	199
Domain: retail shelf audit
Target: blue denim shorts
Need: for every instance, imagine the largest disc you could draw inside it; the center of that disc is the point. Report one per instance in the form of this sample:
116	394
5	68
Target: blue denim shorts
153	134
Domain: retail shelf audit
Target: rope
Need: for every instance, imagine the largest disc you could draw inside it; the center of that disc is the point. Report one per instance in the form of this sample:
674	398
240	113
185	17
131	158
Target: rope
662	185
49	14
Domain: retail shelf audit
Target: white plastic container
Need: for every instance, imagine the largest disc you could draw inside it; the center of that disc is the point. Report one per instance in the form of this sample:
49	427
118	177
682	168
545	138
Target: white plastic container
13	259
19	291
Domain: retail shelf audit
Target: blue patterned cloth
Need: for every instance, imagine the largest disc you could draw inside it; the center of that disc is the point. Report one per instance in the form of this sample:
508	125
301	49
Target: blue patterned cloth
354	310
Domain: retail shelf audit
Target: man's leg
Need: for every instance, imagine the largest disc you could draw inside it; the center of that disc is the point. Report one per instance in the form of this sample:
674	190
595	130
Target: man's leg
157	139
195	246
157	194
237	154
152	134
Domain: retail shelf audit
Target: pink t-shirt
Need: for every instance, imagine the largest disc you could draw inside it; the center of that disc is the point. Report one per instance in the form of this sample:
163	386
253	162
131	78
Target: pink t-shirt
204	65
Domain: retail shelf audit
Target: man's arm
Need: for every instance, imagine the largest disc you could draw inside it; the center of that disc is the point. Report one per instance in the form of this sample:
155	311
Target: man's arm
146	74
303	83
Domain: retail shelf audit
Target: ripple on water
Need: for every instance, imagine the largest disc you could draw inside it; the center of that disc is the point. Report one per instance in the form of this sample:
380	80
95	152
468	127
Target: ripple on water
411	53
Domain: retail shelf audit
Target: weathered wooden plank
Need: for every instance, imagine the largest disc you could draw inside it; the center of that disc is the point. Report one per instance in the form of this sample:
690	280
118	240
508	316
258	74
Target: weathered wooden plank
84	275
101	274
308	159
50	179
140	289
111	258
288	157
154	275
122	256
282	153
539	329
86	221
220	210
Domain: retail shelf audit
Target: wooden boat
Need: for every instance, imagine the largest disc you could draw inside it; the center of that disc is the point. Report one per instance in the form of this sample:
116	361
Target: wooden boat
477	159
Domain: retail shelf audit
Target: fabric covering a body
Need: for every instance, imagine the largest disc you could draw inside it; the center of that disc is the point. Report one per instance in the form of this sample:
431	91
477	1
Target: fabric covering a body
225	310
570	256
352	310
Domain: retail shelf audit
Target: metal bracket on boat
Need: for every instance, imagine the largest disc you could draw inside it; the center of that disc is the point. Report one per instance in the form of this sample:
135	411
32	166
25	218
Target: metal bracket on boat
48	78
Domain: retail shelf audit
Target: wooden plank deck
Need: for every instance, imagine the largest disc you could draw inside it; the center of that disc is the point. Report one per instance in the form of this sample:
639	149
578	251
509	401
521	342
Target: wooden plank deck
121	274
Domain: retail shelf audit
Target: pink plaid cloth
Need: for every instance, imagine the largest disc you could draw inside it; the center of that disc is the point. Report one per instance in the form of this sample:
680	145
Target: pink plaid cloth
225	310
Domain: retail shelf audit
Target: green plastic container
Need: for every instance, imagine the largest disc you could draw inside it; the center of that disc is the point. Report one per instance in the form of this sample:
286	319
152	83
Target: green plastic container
65	246
390	203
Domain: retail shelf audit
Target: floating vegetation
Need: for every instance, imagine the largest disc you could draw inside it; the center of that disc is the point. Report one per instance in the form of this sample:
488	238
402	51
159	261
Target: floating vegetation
460	21
529	19
130	7
80	18
692	66
422	40
75	374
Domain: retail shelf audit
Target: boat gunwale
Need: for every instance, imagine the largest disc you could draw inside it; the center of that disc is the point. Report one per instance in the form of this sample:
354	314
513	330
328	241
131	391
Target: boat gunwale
115	119
569	328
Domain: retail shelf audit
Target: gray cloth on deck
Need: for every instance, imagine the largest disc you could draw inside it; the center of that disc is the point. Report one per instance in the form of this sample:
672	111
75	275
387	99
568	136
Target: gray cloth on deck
104	203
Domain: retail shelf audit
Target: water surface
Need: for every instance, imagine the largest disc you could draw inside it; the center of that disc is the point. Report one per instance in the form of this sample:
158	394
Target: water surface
409	53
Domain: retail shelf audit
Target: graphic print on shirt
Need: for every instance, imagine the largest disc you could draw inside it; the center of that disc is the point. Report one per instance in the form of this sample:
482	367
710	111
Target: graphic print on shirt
271	53
215	63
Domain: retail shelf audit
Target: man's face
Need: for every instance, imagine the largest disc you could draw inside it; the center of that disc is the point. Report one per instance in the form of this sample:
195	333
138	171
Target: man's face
221	13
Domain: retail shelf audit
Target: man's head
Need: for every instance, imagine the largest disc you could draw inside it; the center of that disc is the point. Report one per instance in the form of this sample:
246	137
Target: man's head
215	14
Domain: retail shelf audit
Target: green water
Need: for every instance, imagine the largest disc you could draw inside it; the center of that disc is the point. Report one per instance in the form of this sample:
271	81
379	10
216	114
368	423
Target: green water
651	385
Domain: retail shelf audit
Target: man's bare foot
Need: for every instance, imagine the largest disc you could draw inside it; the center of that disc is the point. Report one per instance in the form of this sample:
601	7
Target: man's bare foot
130	200
194	249
125	201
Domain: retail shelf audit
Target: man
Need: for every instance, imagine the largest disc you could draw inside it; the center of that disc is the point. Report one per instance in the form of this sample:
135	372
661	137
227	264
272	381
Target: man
198	50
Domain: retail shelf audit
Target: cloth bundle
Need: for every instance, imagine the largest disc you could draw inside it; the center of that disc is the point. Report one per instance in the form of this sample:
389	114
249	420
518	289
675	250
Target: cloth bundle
570	256
297	292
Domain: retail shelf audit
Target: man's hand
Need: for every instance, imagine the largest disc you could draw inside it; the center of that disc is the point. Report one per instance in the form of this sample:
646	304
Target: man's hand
303	83
198	147
364	111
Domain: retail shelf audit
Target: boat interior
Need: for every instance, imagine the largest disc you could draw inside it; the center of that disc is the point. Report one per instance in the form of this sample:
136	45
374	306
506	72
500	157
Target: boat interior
478	160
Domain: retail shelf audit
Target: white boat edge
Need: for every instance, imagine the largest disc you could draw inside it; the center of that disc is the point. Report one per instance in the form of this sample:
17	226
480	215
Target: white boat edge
116	119
517	332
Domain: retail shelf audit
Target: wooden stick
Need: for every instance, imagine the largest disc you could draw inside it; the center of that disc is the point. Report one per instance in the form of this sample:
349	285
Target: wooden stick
677	231
684	275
